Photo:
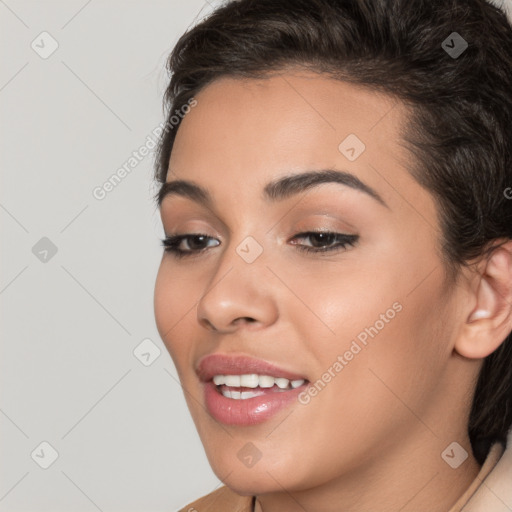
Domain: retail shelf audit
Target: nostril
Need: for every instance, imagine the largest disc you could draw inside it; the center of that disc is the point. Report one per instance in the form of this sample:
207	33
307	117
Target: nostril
247	319
206	323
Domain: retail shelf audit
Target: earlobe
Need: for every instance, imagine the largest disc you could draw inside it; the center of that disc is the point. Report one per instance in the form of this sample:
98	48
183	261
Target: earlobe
490	320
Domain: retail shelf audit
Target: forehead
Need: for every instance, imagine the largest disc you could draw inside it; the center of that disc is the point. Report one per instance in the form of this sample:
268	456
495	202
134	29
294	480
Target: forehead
244	133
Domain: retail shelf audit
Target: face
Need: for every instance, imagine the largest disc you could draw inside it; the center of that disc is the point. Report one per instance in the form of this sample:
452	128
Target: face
360	312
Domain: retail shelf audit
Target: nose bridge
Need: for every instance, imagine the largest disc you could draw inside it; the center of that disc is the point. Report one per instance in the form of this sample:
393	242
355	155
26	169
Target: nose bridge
236	288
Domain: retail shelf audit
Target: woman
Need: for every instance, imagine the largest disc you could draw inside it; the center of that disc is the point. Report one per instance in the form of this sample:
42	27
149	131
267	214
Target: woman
336	286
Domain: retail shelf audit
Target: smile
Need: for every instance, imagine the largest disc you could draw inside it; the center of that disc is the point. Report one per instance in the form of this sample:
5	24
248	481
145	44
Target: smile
235	396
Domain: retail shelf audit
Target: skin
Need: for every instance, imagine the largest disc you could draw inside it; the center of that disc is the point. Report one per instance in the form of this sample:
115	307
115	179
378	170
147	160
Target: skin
372	438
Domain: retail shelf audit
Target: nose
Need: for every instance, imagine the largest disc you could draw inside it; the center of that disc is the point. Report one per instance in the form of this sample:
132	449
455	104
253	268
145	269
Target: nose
235	296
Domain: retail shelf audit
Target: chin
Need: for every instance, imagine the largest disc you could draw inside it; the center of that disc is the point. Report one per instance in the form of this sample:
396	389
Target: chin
252	485
265	476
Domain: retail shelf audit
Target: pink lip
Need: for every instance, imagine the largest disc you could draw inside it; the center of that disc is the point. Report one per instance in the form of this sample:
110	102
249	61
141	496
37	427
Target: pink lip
252	410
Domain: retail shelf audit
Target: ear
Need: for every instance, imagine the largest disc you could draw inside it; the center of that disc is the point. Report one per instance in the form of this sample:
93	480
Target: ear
490	320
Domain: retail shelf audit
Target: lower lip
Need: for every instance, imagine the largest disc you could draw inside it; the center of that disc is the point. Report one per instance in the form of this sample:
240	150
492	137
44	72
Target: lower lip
250	411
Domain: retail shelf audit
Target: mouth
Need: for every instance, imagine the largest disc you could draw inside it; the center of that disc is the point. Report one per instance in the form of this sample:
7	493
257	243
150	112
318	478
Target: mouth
245	391
244	387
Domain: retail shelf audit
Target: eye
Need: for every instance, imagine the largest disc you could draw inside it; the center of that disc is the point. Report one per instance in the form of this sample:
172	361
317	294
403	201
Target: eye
325	241
192	244
194	241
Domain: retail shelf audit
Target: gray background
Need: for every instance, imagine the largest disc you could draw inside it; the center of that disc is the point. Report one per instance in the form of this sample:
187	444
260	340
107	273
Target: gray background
70	321
70	324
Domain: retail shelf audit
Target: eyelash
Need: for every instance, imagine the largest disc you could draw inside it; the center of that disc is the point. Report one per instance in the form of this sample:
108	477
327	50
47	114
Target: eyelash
171	243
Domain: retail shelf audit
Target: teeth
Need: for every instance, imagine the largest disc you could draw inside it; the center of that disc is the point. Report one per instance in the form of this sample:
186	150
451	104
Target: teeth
249	381
282	383
218	380
237	395
232	381
253	380
265	381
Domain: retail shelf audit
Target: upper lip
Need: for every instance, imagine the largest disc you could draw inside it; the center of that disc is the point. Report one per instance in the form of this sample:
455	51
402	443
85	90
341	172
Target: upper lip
222	364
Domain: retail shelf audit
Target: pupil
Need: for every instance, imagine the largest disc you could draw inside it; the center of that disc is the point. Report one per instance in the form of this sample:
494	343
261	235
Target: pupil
197	238
323	238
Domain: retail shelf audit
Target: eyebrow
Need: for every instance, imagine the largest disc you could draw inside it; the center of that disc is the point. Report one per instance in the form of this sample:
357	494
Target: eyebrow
277	190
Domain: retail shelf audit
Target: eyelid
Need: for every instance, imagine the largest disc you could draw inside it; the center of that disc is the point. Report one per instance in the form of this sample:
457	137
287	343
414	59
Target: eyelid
305	212
311	220
191	226
328	220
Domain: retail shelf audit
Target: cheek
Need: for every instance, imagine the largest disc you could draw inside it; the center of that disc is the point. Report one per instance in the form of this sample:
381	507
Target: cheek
174	302
386	329
392	351
373	372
